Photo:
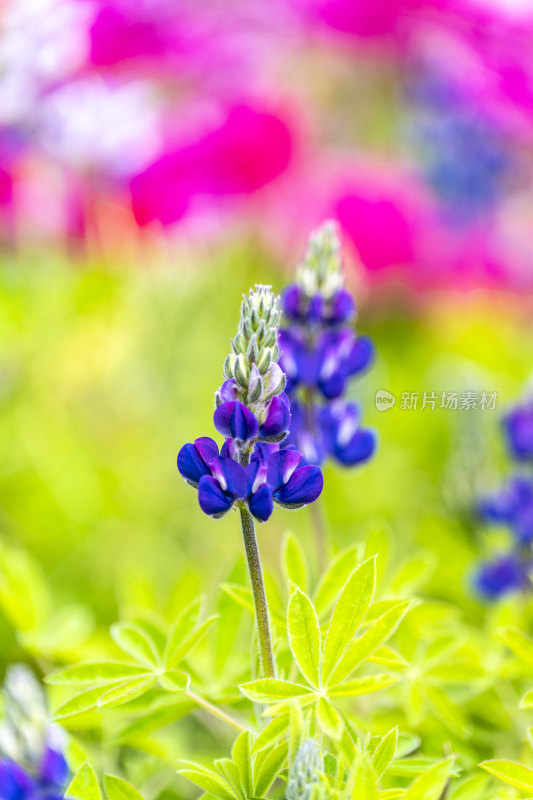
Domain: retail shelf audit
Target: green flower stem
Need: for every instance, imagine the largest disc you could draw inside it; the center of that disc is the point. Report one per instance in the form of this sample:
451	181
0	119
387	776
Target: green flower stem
258	587
217	712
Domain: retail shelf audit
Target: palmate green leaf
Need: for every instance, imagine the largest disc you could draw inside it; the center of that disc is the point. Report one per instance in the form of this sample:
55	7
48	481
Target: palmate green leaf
174	708
452	715
296	730
473	788
79	704
364	685
348	614
230	773
182	628
412	767
271	690
240	754
276	728
95	672
510	772
517	641
431	784
207	780
125	692
304	635
373	637
135	641
294	562
385	752
335	577
328	718
117	789
267	766
177	650
388	657
175	681
84	785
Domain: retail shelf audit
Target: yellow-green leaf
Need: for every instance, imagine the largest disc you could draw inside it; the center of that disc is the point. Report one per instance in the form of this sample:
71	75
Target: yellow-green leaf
510	772
175	681
294	561
385	752
364	685
304	635
117	789
271	690
95	672
431	784
328	718
84	785
126	691
134	640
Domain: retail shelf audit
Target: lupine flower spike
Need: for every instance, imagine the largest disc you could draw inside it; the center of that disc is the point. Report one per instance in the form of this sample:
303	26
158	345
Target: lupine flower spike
32	765
511	506
321	353
251	472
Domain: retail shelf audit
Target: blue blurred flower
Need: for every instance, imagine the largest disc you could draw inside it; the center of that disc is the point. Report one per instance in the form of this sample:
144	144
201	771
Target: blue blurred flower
320	354
501	576
518	429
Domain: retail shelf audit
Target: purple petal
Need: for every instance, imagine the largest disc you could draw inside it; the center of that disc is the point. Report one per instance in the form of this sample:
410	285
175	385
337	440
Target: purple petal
362	354
230	476
212	499
304	486
235	421
256	474
15	782
316	308
361	447
278	418
518	427
228	391
341	308
54	768
261	503
281	466
291	301
499	577
192	459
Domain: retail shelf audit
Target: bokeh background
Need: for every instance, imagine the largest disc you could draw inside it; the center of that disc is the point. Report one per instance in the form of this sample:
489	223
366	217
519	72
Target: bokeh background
159	157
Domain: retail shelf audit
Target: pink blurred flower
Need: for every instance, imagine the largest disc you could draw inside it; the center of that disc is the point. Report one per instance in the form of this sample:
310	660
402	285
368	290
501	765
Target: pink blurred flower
249	149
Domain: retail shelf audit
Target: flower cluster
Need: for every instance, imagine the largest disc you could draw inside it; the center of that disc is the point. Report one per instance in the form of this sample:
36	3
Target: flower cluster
32	766
253	414
511	506
321	353
304	777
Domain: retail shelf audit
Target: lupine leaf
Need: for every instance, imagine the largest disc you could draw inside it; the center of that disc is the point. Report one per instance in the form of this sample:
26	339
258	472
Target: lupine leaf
181	650
388	657
135	641
392	794
230	772
294	561
92	672
373	637
267	766
175	681
304	635
519	643
328	718
363	685
276	727
207	780
385	752
335	577
510	772
296	727
80	703
125	692
431	784
348	614
527	700
364	785
117	789
270	690
182	627
452	715
84	785
240	753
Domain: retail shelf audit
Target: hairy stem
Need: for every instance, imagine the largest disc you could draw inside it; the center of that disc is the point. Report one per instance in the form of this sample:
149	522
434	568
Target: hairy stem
217	712
258	591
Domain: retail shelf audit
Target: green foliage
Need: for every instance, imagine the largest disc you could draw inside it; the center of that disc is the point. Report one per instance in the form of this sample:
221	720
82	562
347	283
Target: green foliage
84	786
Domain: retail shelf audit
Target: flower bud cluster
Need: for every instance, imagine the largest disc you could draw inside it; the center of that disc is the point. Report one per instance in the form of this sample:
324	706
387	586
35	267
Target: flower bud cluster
321	353
511	506
304	773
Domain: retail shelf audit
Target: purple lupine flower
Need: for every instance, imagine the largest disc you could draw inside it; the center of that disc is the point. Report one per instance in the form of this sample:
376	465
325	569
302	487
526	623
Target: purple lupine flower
320	354
518	428
501	576
219	491
293	486
513	506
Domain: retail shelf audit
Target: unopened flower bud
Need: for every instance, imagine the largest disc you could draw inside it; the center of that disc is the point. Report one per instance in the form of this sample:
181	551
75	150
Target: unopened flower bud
304	773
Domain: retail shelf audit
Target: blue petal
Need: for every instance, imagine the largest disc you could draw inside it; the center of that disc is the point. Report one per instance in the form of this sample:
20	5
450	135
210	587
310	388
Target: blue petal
523	526
212	499
499	577
281	466
304	486
235	421
192	459
15	782
54	768
341	308
315	311
260	503
291	301
230	476
518	427
278	418
361	447
361	356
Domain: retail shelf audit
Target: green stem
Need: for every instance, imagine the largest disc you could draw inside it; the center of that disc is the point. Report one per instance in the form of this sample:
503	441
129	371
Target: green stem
258	591
217	712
